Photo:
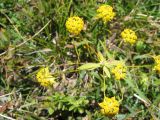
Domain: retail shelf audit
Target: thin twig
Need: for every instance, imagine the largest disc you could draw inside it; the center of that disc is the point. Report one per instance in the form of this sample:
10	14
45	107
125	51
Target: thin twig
148	104
9	93
27	39
9	118
6	95
16	29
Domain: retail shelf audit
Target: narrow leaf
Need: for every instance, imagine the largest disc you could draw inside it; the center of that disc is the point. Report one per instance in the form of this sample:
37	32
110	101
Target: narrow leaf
89	66
105	69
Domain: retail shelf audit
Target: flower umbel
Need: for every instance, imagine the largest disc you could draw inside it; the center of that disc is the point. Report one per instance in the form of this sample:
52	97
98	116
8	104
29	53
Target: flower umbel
157	63
119	71
109	106
44	77
129	36
74	25
105	12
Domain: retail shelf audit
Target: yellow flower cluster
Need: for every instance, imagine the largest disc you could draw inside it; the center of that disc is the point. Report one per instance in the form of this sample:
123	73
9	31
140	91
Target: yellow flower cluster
109	106
105	12
74	25
129	36
119	71
157	61
44	77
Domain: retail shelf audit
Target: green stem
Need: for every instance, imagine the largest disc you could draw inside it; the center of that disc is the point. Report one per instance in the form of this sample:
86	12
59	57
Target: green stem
104	85
139	66
119	85
69	6
120	44
77	53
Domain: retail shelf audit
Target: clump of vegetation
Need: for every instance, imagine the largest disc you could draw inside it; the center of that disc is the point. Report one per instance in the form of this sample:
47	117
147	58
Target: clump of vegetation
78	59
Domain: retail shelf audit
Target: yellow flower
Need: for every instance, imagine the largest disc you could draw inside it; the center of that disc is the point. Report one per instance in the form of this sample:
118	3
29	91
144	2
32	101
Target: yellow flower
157	59
157	63
44	77
74	25
119	71
105	12
157	67
109	106
129	36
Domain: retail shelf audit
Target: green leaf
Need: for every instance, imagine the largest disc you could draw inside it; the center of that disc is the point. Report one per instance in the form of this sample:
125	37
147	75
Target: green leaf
157	82
50	111
81	110
71	108
63	108
140	46
89	66
141	57
109	55
105	69
77	44
60	106
121	116
4	39
156	101
100	57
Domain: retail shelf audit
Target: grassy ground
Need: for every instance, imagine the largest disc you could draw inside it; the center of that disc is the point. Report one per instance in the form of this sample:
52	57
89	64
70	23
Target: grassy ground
33	35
